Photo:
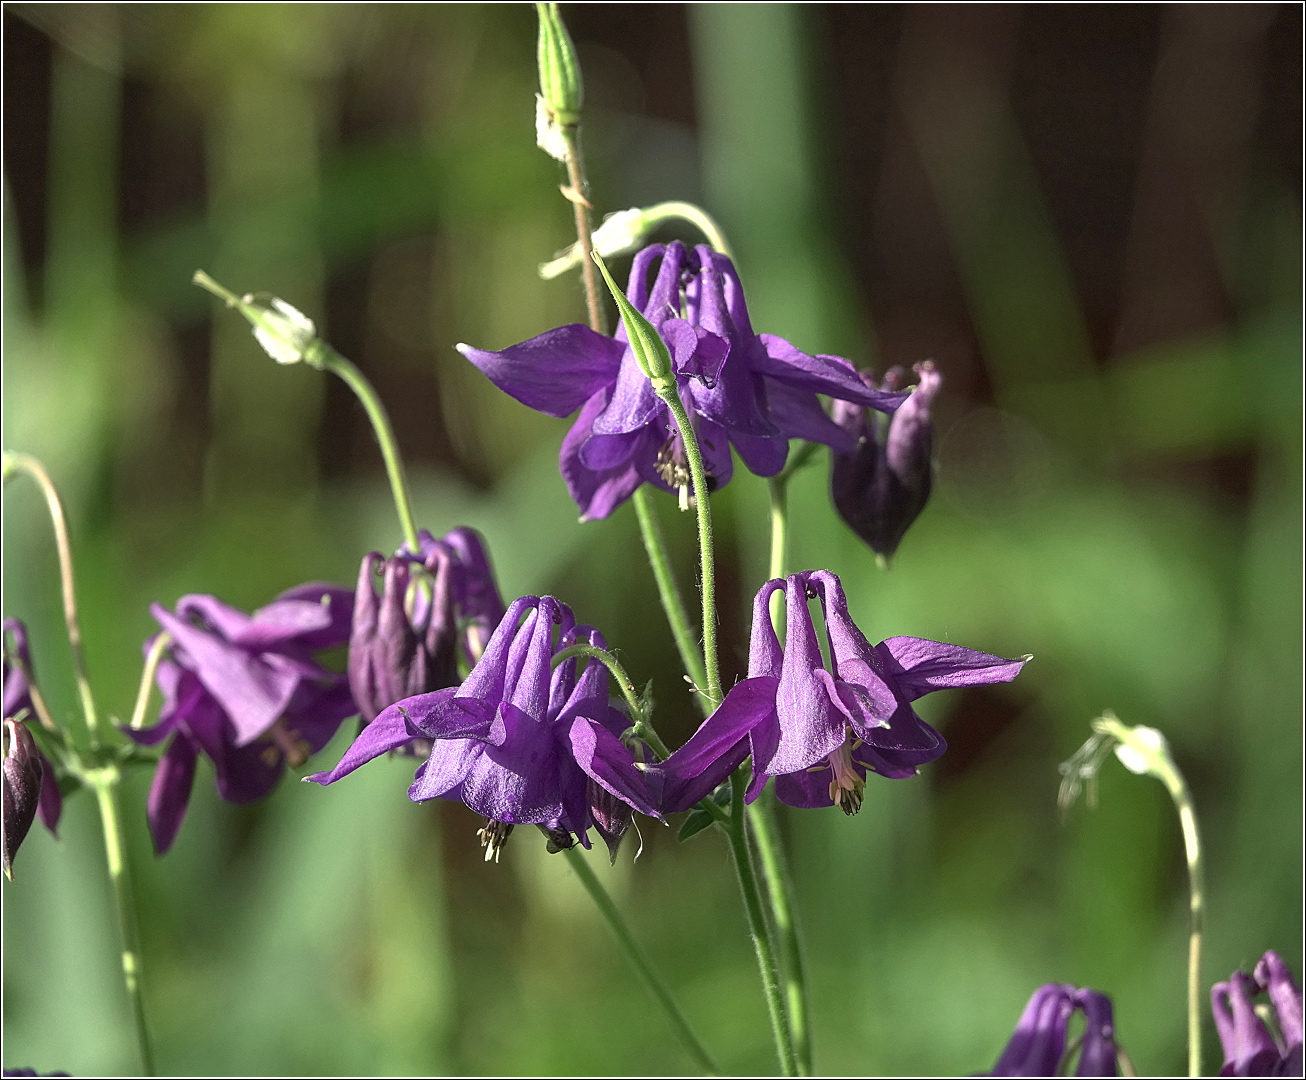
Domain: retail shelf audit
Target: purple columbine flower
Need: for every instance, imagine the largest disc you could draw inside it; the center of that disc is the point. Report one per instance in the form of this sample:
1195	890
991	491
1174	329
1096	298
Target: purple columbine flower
1039	1042
751	391
246	691
818	731
408	641
521	742
881	487
1249	1048
30	787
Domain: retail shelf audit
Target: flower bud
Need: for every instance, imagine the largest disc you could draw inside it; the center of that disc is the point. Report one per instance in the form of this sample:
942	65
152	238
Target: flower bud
881	487
286	333
561	89
23	773
620	234
650	351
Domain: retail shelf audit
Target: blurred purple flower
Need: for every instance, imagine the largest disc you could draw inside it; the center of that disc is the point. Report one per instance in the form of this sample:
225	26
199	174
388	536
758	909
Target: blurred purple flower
246	691
407	641
1249	1048
1039	1042
752	391
520	742
881	487
819	731
30	786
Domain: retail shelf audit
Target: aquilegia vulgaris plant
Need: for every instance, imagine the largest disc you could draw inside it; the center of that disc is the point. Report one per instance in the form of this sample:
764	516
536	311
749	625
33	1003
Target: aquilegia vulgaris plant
527	716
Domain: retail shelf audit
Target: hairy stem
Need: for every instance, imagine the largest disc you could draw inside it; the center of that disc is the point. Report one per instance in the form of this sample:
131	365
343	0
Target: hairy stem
28	465
639	960
579	197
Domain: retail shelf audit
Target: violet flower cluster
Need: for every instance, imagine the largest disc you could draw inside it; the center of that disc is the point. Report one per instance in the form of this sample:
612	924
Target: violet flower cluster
751	391
246	691
1038	1044
820	730
520	741
1250	1048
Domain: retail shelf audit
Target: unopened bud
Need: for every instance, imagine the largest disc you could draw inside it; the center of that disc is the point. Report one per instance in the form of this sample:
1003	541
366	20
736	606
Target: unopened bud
650	351
561	89
286	333
22	789
620	234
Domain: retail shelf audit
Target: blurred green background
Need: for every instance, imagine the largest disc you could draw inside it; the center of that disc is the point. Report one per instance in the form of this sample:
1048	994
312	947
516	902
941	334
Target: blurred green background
1089	217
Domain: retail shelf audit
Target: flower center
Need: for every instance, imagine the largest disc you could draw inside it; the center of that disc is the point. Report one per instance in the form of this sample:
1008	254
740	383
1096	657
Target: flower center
493	836
673	466
288	743
846	786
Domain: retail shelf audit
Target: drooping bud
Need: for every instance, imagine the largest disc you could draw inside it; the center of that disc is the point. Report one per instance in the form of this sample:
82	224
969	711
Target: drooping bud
19	704
881	487
286	333
23	773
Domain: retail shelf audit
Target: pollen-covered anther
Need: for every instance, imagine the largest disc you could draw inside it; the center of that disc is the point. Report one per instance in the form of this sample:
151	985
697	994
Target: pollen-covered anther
493	836
846	785
672	466
290	743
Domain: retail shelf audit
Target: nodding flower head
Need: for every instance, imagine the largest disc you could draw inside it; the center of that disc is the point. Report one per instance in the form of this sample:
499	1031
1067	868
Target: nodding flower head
1038	1045
881	487
751	391
31	789
521	741
246	691
819	730
1250	1048
438	607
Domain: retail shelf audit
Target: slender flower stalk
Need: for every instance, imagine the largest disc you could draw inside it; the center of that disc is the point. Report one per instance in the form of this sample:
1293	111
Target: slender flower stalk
639	960
627	230
1145	751
289	337
641	727
25	463
104	779
157	648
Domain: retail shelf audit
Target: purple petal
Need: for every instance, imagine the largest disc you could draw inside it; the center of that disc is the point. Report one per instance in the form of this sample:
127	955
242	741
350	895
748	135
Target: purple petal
530	687
608	762
50	806
1039	1040
918	667
445	714
486	680
1273	974
227	621
1098	1056
748	704
830	375
611	816
807	790
737	401
889	763
253	692
762	456
798	415
284	622
811	726
1248	1048
517	781
170	792
873	701
336	601
596	492
317	710
555	372
695	352
765	656
445	770
631	402
387	732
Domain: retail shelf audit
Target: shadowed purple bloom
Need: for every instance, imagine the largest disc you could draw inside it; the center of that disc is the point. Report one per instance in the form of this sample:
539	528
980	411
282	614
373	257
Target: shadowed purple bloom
881	487
1249	1048
818	731
30	787
246	691
520	742
751	391
407	641
1039	1041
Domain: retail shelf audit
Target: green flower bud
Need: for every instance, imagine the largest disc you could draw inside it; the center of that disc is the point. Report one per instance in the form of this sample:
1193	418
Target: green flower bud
286	333
651	352
560	83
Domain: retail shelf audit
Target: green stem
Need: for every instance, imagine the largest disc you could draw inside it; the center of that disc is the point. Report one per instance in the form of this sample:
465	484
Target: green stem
27	464
639	961
161	643
105	782
779	884
1183	800
707	563
643	729
321	355
672	603
695	215
775	1005
579	197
